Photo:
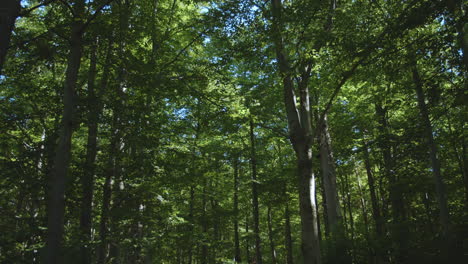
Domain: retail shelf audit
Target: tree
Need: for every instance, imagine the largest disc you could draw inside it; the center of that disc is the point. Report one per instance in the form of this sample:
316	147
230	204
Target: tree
9	11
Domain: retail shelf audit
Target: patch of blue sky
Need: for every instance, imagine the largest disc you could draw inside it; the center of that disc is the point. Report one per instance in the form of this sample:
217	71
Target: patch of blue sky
181	113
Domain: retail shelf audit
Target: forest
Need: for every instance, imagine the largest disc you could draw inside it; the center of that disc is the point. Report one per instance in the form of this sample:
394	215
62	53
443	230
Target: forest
233	131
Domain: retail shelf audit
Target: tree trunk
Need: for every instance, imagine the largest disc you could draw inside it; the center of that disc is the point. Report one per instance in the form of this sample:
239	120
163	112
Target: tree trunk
237	253
308	212
253	162
106	198
300	132
204	253
350	212
247	240
192	222
438	181
270	236
399	230
337	245
364	216
9	11
378	219
329	178
57	179
288	239
374	201
87	180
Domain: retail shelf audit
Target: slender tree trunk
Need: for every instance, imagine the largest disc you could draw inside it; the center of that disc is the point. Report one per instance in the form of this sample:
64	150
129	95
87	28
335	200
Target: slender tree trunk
87	180
438	180
253	162
337	247
204	253
364	216
378	220
9	11
105	209
191	210
329	178
374	201
237	253
57	179
399	230
350	212
270	236
288	239
247	240
300	130
216	233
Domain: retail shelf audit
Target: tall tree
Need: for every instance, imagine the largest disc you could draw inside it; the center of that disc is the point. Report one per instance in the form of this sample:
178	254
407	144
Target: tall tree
435	164
9	11
57	179
255	212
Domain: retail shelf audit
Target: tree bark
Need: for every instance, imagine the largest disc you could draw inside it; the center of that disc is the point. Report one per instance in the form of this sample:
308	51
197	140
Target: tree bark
374	201
204	253
106	199
237	252
270	236
253	162
300	131
247	240
288	238
337	247
329	178
399	230
350	212
376	215
191	218
435	164
9	11
57	179
87	180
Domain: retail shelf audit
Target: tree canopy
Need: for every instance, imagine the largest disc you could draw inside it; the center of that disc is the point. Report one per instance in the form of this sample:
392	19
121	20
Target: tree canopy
240	131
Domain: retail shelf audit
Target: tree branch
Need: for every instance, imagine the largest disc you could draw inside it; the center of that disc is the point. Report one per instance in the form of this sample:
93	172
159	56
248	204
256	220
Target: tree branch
95	14
28	11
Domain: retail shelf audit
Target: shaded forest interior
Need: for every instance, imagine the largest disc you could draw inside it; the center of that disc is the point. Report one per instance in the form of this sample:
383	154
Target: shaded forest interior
239	131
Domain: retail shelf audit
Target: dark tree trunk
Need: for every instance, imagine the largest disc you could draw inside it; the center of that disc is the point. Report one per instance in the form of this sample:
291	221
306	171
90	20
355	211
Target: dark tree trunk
350	212
378	219
374	201
237	252
204	253
288	238
435	163
253	162
247	240
399	229
9	11
87	180
192	205
337	246
57	179
329	178
105	209
270	237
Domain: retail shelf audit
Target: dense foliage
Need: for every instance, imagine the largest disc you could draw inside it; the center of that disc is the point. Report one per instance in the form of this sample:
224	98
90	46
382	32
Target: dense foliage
239	131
